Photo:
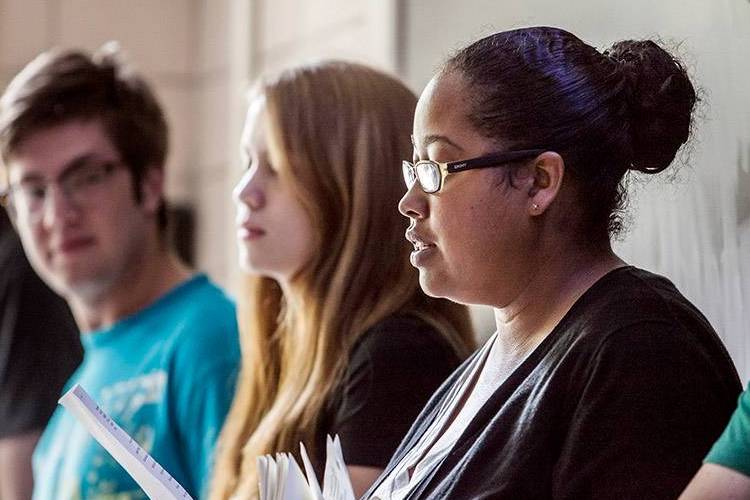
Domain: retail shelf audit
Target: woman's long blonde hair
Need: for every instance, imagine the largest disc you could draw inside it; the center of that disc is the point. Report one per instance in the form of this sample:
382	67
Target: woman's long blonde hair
337	133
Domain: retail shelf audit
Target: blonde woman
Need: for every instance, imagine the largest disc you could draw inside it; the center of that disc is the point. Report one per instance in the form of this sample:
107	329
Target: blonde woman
337	337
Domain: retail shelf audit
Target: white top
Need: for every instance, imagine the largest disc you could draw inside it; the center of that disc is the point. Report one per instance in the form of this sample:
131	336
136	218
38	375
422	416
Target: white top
437	441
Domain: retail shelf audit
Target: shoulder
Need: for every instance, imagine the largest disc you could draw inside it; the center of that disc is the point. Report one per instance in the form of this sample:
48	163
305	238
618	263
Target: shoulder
400	353
731	449
17	275
203	323
199	305
201	296
628	299
392	372
655	296
28	305
11	253
636	321
402	337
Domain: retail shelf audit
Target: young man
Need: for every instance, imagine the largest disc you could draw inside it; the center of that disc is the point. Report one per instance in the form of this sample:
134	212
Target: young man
84	143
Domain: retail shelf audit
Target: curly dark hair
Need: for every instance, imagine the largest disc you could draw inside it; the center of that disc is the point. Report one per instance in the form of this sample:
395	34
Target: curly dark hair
628	108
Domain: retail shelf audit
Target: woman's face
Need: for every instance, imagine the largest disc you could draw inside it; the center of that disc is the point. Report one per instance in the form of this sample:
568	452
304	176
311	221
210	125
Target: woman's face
274	233
473	240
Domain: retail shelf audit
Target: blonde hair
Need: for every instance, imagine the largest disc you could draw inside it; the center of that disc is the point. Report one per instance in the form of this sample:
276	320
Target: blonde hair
336	132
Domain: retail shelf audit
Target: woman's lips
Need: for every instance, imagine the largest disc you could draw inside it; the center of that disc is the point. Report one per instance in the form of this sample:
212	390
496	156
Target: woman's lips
421	253
422	250
250	233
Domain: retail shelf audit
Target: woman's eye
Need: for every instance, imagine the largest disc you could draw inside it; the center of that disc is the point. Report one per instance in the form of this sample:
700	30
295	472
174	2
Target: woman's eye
265	168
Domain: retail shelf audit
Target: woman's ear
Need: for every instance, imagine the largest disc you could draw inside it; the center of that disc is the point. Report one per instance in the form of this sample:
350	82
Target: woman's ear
548	171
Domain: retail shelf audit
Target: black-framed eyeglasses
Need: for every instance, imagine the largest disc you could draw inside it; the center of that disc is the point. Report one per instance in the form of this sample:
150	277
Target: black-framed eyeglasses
80	184
431	174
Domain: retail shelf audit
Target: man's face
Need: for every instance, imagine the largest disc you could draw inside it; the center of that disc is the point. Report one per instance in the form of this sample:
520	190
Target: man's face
76	210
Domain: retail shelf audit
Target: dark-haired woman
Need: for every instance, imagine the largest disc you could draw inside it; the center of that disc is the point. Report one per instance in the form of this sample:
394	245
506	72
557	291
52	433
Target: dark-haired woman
602	380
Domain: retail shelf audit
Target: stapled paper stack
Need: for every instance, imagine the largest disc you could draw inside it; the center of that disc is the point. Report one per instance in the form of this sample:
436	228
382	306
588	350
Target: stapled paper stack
282	479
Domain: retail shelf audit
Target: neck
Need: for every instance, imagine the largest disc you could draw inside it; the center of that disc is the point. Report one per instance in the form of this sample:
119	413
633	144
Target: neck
155	274
550	293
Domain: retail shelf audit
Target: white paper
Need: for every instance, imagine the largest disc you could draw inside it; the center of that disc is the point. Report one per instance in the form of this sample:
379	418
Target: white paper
336	482
150	476
310	472
281	478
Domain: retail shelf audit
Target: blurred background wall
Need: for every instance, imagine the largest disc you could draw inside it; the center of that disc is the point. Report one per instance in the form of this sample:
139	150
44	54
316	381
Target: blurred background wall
201	56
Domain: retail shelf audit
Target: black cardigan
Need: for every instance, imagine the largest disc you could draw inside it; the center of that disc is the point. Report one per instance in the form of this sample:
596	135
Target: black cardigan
621	400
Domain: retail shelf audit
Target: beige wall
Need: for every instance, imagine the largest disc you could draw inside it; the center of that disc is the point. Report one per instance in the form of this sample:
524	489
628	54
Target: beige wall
158	37
288	32
201	56
193	52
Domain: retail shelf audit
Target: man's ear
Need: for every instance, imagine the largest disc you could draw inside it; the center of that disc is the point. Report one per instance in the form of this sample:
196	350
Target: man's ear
548	172
152	189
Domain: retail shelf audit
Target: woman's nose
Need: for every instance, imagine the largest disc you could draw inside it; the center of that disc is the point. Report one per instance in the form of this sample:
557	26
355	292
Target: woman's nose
248	191
414	203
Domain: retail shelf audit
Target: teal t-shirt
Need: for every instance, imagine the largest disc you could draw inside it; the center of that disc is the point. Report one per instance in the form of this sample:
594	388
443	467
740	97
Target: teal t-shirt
733	447
166	375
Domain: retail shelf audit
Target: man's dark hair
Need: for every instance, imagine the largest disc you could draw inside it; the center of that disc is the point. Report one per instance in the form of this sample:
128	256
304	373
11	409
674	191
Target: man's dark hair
59	86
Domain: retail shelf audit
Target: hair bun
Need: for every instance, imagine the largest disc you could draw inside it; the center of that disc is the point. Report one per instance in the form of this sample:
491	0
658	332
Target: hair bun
661	101
109	55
